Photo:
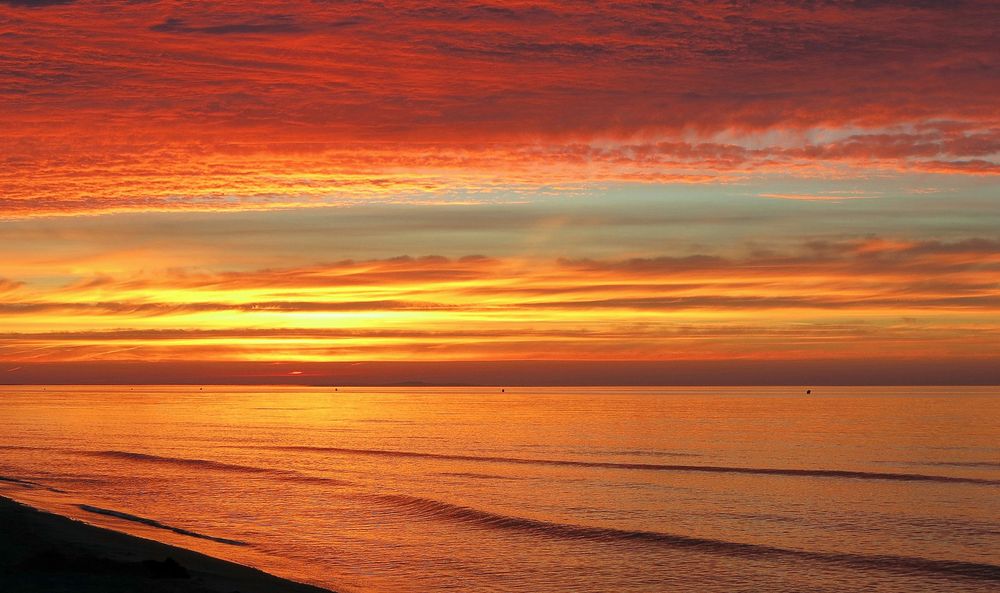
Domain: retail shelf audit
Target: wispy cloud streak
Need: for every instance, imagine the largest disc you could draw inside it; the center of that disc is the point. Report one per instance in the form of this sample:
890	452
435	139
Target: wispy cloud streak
847	298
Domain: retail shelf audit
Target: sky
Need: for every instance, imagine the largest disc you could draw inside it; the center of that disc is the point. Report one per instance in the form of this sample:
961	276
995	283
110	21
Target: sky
499	192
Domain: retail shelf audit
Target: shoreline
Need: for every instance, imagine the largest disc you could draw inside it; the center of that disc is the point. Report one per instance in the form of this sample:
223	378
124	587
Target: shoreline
42	551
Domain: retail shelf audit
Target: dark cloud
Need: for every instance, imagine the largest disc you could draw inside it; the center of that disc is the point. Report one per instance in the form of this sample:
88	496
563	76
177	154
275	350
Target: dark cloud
987	303
296	333
266	25
35	3
146	309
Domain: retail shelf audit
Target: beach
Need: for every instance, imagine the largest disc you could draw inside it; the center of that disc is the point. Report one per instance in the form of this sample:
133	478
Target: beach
40	552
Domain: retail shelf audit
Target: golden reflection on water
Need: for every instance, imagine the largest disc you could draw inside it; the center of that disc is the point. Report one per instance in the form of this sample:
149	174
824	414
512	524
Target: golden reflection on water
532	489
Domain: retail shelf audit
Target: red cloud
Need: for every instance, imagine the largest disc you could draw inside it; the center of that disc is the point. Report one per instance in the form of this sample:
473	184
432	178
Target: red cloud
218	106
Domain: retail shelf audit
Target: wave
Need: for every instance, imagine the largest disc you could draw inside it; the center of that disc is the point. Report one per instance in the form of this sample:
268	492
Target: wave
817	473
970	464
199	463
438	510
647	453
476	476
20	482
29	484
987	464
158	525
284	474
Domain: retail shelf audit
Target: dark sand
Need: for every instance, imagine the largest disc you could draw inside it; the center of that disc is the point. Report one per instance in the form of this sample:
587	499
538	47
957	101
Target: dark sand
41	553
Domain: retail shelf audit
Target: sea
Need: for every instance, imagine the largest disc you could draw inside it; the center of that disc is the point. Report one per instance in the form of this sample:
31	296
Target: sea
589	490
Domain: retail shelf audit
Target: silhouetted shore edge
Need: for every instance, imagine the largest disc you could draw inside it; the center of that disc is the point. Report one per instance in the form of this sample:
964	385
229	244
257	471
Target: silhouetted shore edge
41	551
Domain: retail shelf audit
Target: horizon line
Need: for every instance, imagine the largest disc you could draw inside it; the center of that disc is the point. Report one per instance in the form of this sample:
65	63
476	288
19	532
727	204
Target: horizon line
421	385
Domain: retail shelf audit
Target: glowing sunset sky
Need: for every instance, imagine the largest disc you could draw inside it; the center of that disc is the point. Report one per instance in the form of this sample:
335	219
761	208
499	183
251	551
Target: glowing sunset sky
257	191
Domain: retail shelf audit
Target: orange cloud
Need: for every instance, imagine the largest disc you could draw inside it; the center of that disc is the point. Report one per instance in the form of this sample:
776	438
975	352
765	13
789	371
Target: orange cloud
846	299
227	106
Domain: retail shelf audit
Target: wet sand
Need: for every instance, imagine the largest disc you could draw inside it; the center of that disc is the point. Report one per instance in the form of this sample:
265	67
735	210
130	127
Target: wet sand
42	552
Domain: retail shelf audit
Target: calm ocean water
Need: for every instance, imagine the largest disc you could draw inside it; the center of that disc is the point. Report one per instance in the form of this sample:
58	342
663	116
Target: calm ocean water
536	489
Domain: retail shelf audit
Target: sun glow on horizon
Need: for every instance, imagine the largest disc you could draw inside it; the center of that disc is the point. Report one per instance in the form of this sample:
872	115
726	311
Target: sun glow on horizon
690	181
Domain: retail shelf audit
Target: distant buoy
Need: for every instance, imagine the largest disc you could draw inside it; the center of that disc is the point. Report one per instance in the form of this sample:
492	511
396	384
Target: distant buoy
502	390
808	391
